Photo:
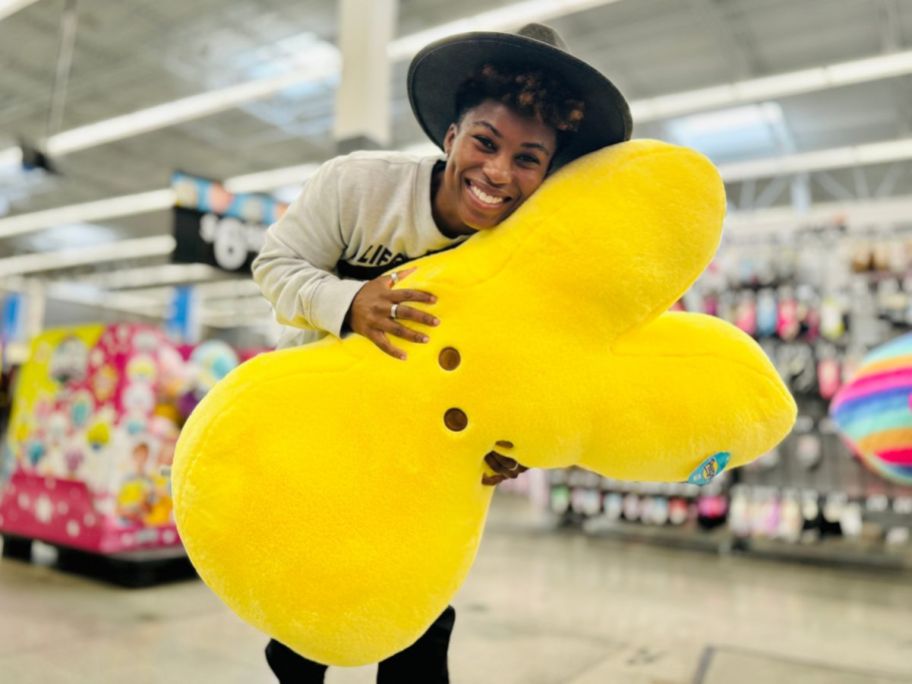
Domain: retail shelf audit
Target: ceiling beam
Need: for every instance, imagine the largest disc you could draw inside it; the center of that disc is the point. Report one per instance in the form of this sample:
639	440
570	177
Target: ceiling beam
10	7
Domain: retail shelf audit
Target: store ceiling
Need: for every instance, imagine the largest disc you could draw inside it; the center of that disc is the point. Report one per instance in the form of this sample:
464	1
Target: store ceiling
133	54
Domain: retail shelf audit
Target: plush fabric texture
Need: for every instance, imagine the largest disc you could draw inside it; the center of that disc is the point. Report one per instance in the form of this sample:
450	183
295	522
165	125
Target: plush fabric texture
319	491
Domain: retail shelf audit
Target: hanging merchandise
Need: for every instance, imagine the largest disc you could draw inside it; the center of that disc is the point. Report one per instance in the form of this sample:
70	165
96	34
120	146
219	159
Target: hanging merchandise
659	510
818	322
811	516
631	507
711	304
790	520
880	256
808	313
678	511
613	505
851	520
712	510
808	451
832	323
767	313
829	377
892	301
862	257
560	499
739	519
788	325
831	514
746	313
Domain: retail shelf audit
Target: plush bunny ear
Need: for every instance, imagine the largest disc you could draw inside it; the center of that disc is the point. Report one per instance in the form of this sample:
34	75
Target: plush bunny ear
621	233
690	395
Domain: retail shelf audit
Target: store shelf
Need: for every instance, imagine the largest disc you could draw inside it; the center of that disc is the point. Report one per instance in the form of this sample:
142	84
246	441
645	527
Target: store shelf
714	541
841	552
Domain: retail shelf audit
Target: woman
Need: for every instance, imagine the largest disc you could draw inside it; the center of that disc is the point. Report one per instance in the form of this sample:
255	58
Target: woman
522	108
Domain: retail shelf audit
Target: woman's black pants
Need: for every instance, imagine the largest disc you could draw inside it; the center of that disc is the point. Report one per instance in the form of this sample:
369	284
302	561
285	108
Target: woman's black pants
424	661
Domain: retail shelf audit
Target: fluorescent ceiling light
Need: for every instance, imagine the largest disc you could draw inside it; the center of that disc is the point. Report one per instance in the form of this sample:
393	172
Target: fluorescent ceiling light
113	207
159	245
854	214
79	293
189	108
232	288
10	7
820	160
780	85
728	121
880	66
507	17
323	63
769	87
11	160
160	274
743	132
68	235
274	178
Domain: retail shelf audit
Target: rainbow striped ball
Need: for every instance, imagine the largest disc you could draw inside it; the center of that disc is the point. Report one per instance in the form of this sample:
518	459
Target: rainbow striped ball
874	413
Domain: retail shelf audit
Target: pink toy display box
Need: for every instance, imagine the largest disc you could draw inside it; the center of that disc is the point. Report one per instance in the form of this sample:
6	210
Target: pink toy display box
96	414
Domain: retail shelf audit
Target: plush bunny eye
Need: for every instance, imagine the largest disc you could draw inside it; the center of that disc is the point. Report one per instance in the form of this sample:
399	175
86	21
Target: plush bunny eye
455	419
449	358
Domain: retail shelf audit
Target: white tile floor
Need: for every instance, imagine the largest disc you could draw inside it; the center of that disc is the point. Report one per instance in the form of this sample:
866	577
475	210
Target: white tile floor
538	608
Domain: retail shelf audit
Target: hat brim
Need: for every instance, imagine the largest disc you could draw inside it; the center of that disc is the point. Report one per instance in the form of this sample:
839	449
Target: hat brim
438	69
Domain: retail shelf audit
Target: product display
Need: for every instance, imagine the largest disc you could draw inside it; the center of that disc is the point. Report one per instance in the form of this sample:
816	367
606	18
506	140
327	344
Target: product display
294	436
96	414
816	317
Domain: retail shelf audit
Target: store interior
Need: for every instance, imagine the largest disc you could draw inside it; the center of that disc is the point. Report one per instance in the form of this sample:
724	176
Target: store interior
146	147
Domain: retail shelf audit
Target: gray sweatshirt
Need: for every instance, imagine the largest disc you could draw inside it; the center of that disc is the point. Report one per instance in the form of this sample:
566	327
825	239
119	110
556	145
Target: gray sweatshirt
356	217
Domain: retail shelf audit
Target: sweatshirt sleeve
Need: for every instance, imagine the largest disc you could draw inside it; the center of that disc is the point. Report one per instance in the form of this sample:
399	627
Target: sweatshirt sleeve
300	251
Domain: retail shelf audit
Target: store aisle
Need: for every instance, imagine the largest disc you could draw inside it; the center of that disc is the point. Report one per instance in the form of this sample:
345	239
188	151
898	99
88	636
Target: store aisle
539	608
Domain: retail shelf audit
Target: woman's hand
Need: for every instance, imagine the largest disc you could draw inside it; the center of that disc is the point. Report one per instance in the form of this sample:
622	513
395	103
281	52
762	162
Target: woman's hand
504	467
372	313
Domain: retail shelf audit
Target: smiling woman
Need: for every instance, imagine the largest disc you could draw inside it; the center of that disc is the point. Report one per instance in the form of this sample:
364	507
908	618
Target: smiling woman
508	127
329	265
496	158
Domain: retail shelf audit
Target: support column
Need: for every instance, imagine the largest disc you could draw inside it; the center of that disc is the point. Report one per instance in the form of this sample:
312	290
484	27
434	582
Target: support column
362	118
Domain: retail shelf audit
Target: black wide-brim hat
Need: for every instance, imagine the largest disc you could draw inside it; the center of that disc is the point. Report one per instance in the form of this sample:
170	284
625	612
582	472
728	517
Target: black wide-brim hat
437	71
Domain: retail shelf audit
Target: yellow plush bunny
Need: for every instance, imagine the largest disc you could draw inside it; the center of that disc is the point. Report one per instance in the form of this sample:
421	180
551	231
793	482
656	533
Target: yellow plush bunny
343	527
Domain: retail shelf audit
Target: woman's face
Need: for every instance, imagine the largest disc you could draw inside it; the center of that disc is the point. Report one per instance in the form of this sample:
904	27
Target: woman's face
496	159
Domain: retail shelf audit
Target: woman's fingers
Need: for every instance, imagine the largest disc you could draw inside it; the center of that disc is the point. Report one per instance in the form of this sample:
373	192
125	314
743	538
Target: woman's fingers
502	465
382	341
399	296
396	276
393	327
407	313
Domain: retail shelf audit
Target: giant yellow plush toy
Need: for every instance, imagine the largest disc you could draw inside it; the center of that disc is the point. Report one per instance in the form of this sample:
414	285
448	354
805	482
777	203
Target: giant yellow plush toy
332	495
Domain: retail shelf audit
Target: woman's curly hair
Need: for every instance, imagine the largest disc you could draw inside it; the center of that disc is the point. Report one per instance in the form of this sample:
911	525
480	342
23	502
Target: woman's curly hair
530	93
